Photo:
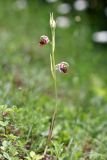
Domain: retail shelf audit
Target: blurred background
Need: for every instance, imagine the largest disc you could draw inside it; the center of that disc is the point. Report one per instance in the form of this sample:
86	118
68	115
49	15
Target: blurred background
25	77
81	40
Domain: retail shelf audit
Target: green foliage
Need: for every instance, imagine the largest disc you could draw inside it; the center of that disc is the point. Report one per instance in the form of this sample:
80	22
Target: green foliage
34	156
80	131
12	147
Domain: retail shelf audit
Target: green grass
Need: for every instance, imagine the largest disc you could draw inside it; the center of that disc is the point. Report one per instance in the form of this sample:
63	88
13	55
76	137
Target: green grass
80	131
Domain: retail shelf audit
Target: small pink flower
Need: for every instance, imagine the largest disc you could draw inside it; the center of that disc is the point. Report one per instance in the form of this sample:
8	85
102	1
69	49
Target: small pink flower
43	40
62	67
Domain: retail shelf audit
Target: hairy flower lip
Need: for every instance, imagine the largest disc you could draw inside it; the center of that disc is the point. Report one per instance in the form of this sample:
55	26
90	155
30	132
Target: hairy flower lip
62	67
44	40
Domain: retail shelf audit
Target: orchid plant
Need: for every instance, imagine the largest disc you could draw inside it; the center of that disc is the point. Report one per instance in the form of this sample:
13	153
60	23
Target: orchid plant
61	67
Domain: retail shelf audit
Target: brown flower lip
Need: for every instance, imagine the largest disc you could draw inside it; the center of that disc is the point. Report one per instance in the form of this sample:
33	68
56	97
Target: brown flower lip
62	67
44	40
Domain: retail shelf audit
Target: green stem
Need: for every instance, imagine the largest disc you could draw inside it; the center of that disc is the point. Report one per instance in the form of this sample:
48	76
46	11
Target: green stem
55	85
55	90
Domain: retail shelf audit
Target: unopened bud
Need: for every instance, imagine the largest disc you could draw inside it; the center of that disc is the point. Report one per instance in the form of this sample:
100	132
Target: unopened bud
52	21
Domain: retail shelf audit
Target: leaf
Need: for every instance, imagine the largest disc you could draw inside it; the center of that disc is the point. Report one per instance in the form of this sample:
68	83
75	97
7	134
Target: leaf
32	154
52	70
35	156
4	124
0	155
5	144
6	155
38	157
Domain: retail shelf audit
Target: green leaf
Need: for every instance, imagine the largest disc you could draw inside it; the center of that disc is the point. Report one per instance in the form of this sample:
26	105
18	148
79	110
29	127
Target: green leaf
35	156
52	70
5	144
4	124
38	157
32	154
6	155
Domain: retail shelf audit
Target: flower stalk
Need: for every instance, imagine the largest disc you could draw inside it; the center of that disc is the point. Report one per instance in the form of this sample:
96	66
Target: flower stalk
53	72
61	67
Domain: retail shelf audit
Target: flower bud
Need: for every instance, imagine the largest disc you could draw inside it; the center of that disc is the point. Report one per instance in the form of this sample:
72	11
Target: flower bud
44	40
52	21
62	67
